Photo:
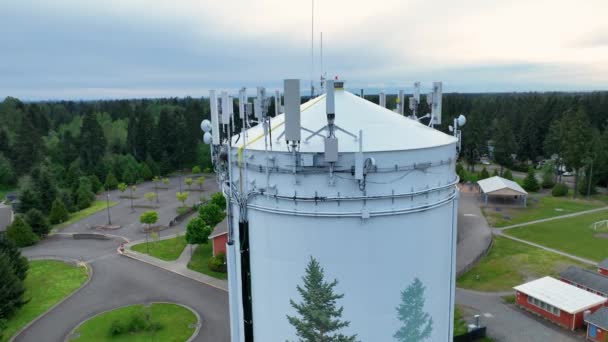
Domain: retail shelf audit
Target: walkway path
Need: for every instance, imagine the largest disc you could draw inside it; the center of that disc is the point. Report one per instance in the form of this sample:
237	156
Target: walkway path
553	218
179	266
474	234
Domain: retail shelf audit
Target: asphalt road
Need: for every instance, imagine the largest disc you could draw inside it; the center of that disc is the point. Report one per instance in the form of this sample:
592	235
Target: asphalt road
118	280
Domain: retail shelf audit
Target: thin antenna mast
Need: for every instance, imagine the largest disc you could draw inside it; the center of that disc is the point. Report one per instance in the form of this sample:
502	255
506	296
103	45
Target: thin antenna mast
322	72
312	49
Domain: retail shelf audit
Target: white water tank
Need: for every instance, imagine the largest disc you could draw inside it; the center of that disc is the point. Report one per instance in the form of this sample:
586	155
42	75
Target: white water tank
387	238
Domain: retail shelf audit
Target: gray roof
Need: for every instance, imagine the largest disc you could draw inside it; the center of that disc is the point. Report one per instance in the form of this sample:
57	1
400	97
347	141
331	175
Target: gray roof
6	215
599	318
220	229
604	264
587	278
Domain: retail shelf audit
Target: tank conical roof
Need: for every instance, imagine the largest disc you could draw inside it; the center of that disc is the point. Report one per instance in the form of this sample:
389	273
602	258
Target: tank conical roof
383	129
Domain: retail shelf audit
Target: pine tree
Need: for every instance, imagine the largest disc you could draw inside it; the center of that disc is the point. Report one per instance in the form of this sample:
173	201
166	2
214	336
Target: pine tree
111	181
59	212
45	188
21	233
319	318
417	324
507	174
530	182
504	144
26	146
39	223
11	289
484	173
84	194
92	142
18	262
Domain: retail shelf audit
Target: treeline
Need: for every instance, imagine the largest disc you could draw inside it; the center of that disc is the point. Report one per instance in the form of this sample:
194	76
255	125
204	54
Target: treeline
60	154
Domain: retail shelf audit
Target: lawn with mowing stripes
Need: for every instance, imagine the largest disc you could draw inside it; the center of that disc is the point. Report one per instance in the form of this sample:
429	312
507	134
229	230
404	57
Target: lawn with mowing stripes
47	282
573	235
511	263
168	250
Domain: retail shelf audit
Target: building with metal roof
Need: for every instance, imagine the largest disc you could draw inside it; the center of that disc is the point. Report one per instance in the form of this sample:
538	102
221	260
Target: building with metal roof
498	186
602	267
585	279
558	301
597	325
219	237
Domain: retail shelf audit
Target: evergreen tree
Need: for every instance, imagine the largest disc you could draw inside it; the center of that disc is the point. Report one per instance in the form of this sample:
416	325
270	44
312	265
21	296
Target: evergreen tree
530	182
84	195
26	146
484	173
144	133
111	181
18	262
38	222
495	173
92	142
28	196
144	171
417	324
507	175
45	188
319	318
96	185
59	212
11	289
504	144
576	141
7	173
21	233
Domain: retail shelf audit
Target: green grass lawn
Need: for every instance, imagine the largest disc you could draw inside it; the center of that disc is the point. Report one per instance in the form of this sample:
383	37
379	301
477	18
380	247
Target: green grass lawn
79	215
47	282
200	259
511	263
460	325
167	250
175	320
572	235
539	207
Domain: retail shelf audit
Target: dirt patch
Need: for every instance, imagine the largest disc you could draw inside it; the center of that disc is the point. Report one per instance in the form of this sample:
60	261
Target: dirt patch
601	235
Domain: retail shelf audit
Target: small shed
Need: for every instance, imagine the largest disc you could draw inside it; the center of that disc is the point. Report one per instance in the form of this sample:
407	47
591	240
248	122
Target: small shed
501	187
586	279
557	301
597	325
602	267
219	237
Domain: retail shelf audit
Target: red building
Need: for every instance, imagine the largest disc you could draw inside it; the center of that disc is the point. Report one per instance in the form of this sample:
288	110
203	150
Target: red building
557	301
602	268
219	237
597	325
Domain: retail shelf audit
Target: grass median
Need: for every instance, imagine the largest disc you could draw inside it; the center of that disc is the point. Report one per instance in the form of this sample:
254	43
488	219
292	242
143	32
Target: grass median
539	207
200	261
79	215
168	250
573	235
47	283
138	323
510	263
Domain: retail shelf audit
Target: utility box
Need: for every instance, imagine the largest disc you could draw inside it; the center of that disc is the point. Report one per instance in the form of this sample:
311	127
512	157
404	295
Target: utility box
331	150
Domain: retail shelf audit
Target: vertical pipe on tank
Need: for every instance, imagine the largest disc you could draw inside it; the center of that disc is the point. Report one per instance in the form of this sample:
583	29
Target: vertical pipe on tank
453	265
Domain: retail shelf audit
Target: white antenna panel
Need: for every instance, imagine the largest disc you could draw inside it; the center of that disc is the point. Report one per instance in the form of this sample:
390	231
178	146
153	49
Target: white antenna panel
437	99
225	108
242	99
417	91
382	99
257	109
330	102
277	103
215	122
292	109
429	99
400	102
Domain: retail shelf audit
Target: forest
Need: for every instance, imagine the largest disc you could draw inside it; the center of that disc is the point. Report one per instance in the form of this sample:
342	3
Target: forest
62	153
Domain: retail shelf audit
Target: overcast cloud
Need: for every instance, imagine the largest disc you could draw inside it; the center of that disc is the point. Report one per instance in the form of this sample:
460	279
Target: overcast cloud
150	48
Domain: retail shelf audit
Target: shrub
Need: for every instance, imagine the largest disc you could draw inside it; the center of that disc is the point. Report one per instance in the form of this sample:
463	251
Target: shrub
38	222
460	171
548	181
137	323
219	200
218	263
21	233
59	212
484	173
559	190
196	170
116	328
530	182
207	170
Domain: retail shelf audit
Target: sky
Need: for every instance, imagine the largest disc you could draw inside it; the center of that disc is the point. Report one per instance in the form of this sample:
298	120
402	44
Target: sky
75	49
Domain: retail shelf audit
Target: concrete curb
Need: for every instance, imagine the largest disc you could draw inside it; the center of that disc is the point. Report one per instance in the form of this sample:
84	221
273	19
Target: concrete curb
67	261
191	338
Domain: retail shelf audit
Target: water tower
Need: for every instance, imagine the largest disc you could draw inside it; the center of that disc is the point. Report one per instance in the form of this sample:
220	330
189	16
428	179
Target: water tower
369	193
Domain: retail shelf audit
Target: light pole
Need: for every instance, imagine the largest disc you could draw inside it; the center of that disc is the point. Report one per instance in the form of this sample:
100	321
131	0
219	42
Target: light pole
108	206
131	187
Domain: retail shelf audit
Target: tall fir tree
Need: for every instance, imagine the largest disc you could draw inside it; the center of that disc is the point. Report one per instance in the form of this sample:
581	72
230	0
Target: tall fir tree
11	289
319	317
92	142
18	262
417	325
504	144
26	146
